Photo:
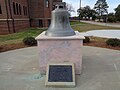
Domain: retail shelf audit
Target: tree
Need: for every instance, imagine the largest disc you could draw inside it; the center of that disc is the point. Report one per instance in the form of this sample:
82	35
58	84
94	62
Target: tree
111	17
101	8
86	12
70	8
117	12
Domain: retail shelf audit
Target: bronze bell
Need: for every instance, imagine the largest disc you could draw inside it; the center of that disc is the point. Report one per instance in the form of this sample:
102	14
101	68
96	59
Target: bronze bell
60	25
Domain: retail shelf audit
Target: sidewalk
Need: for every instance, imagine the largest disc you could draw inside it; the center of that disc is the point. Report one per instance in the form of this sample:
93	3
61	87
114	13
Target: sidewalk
103	33
19	70
103	24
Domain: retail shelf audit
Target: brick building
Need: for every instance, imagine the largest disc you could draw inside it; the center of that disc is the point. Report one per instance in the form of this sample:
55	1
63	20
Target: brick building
17	15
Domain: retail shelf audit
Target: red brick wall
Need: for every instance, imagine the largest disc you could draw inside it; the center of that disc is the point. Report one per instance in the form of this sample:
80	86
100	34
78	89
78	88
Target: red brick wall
22	3
3	27
3	7
20	21
39	11
21	25
36	11
36	8
47	10
3	16
36	23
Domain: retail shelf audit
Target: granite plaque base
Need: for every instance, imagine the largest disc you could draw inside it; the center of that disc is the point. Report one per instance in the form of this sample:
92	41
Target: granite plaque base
60	50
60	75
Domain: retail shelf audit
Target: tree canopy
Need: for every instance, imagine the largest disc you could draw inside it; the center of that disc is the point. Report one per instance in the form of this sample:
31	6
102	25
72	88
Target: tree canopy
101	7
117	12
70	8
86	12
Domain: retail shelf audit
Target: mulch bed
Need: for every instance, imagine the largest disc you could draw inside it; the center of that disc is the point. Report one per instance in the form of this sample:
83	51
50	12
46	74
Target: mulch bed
4	48
101	44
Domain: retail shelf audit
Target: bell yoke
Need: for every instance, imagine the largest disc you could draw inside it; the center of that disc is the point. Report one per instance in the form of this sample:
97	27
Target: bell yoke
60	25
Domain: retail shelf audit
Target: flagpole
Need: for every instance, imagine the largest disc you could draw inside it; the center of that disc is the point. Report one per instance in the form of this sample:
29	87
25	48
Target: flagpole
80	9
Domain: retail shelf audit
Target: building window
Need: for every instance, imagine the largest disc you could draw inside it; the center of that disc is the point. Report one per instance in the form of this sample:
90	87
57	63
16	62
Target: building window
0	10
53	7
47	3
49	22
40	23
19	9
25	10
14	9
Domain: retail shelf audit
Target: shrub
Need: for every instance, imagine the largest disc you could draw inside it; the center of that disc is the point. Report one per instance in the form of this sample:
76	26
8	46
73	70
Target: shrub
1	47
118	19
113	42
112	19
86	40
30	41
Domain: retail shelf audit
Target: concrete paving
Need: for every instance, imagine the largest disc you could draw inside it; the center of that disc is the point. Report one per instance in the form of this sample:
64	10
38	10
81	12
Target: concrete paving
103	33
19	70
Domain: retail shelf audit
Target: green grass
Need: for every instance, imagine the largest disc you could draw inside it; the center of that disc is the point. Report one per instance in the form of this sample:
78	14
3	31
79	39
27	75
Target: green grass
18	37
72	23
87	27
98	39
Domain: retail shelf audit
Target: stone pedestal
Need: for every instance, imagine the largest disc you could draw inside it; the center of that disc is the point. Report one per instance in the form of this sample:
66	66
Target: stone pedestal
60	50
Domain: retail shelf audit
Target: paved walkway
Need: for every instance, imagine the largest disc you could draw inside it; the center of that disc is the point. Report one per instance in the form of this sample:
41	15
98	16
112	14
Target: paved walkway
103	24
103	33
19	70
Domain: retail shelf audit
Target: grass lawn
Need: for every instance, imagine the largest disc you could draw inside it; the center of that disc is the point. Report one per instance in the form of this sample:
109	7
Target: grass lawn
83	27
17	38
72	23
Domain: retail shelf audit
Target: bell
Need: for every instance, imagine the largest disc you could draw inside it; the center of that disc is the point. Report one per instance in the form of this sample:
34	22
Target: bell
60	25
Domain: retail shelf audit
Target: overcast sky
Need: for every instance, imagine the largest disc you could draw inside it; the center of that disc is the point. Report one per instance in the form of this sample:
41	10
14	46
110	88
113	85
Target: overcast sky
75	3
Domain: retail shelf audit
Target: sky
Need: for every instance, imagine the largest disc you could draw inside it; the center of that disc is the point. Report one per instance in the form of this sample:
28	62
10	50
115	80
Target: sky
75	3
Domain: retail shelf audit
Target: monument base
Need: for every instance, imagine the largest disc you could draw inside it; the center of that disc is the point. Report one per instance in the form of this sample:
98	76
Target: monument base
60	50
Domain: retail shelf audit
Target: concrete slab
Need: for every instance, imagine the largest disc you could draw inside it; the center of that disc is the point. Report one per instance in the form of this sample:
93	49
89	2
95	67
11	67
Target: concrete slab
104	33
19	70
